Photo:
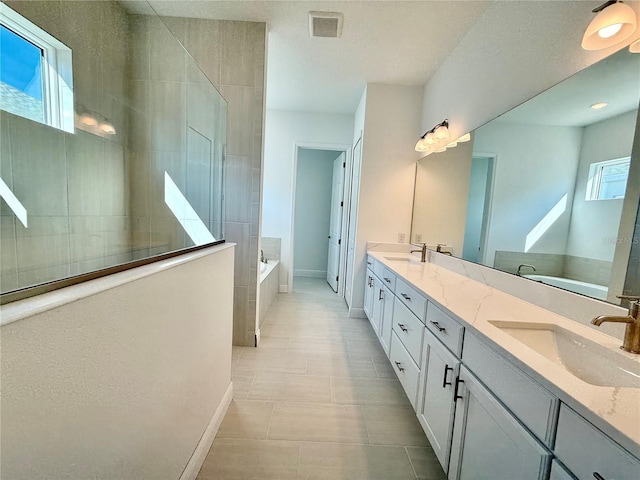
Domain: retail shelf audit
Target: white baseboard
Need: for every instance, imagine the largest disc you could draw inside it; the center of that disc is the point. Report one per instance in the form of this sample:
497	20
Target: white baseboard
284	289
310	273
357	313
204	445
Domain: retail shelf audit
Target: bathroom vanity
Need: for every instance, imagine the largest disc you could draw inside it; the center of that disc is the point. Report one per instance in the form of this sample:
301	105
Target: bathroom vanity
504	389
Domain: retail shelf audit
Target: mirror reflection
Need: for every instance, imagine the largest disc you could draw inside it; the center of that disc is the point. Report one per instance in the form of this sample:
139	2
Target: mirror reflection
549	190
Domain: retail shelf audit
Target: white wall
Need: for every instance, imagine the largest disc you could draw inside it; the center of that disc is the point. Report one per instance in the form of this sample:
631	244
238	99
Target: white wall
314	181
391	129
283	130
513	52
118	377
535	168
594	224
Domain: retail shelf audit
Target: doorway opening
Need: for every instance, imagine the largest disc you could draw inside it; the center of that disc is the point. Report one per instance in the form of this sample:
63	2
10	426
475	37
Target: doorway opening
318	215
478	208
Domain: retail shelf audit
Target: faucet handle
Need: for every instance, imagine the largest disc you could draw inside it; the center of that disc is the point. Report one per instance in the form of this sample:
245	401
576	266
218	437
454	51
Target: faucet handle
631	298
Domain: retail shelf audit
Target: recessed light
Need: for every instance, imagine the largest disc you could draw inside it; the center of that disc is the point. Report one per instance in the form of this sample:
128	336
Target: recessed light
599	105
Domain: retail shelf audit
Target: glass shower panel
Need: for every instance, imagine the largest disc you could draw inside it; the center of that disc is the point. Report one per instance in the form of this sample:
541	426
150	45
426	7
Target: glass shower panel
141	176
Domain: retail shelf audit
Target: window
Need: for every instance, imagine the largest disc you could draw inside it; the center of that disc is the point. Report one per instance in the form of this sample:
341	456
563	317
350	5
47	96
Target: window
608	180
35	72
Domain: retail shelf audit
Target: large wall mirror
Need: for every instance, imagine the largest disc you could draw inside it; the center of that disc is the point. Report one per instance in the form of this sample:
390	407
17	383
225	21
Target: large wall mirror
550	189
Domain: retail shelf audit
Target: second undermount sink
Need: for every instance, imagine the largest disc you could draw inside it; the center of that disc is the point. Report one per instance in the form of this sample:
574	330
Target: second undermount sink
402	259
583	358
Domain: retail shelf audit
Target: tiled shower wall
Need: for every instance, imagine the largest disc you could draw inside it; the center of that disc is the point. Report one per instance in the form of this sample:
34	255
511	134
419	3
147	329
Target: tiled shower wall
72	185
232	55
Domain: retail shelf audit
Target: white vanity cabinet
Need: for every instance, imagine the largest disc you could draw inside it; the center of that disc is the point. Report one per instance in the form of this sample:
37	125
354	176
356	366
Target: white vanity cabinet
368	293
488	441
386	301
436	407
588	453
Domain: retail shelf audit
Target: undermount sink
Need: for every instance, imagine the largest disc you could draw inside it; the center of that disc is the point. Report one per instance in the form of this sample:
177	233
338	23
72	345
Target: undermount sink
583	358
401	259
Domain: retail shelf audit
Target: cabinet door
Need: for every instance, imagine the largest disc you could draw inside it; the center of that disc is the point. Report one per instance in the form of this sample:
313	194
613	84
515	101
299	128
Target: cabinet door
376	309
436	405
386	321
368	294
488	442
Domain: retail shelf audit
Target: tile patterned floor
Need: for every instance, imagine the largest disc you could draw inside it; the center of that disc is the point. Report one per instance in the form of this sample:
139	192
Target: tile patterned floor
317	400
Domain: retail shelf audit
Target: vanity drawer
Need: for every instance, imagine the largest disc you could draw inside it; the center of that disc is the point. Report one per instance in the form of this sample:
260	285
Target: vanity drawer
408	329
378	269
389	279
445	328
413	299
371	263
585	450
406	370
534	406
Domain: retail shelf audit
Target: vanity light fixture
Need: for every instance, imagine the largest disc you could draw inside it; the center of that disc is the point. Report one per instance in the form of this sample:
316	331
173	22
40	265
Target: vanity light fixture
599	105
438	139
107	127
614	22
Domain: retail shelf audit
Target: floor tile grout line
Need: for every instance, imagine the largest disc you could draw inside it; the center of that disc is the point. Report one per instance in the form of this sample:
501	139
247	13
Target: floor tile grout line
366	428
273	409
406	451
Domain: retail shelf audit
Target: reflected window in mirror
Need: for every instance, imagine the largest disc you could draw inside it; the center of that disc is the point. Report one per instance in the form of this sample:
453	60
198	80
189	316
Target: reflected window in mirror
608	179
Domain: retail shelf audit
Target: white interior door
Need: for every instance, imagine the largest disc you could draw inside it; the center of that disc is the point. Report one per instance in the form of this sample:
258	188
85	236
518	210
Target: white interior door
335	223
354	193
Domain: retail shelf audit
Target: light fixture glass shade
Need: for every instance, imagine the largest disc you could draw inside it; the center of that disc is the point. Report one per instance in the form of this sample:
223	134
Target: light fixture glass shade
635	47
420	147
441	134
429	139
88	119
611	26
464	138
452	144
441	149
107	127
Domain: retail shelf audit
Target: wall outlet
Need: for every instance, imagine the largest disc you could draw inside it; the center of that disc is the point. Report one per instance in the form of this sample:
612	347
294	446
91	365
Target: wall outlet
418	238
402	237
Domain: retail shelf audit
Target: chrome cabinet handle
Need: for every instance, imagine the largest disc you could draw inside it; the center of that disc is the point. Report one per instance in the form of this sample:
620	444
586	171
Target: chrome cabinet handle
387	280
437	325
381	295
405	296
455	393
403	328
444	380
597	476
399	365
368	263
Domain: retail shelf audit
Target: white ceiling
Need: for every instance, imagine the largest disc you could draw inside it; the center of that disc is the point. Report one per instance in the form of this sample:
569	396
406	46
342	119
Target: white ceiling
614	80
391	41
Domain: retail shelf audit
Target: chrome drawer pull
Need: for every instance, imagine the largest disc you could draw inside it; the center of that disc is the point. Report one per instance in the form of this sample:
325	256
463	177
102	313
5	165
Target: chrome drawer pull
368	263
403	328
437	325
405	296
597	476
399	365
444	380
381	295
387	280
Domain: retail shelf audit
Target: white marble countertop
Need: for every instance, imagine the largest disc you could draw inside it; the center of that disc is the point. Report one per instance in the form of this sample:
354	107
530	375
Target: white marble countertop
615	410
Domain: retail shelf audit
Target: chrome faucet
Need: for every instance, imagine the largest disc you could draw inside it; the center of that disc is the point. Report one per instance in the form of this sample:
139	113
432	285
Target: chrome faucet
524	265
631	342
262	259
423	252
439	249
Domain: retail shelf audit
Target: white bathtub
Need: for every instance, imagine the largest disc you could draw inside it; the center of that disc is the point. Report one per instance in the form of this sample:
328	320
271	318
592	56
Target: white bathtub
269	285
584	288
267	268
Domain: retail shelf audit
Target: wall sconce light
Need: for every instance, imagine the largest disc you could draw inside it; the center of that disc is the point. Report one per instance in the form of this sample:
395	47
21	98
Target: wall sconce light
437	139
614	22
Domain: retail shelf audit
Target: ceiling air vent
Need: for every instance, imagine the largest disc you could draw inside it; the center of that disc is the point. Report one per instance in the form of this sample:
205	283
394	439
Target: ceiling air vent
325	24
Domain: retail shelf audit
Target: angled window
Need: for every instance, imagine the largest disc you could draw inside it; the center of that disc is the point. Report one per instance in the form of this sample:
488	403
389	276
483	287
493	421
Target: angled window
608	179
35	72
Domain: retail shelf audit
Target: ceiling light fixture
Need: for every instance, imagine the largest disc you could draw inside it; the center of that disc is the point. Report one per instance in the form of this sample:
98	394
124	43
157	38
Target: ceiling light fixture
614	22
599	105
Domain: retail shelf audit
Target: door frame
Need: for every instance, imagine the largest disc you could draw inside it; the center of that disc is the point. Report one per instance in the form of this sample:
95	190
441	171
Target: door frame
346	149
488	207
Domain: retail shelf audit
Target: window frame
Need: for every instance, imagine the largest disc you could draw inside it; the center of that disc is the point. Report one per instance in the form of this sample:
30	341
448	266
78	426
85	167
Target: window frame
594	181
57	71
